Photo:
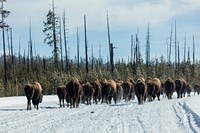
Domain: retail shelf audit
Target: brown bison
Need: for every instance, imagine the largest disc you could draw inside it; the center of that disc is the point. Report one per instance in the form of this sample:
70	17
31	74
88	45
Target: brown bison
197	88
154	89
180	84
140	90
188	89
169	87
61	92
88	92
74	92
129	90
120	91
109	91
33	91
97	91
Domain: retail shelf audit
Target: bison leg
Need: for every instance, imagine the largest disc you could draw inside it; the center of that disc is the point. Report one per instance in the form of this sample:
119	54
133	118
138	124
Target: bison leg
29	105
109	99
63	102
141	100
138	98
77	101
60	102
158	96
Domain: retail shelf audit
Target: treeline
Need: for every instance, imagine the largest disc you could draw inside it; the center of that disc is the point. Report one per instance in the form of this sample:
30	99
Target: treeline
21	71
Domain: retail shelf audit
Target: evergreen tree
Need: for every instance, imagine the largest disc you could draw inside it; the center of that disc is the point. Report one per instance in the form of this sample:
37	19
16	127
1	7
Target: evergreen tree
51	30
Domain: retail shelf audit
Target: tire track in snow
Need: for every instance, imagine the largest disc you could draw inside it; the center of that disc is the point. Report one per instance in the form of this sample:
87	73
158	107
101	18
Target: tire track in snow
185	117
192	118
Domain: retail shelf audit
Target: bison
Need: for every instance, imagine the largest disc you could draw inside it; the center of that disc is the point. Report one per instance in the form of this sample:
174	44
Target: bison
180	84
129	90
154	89
197	88
61	92
140	90
109	91
120	91
74	92
88	92
188	89
169	87
33	91
97	91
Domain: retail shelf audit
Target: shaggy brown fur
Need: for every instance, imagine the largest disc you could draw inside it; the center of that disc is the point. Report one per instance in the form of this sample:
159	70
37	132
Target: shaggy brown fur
88	92
154	89
33	91
120	91
180	87
188	89
169	87
197	88
61	92
129	90
109	91
97	91
74	92
140	90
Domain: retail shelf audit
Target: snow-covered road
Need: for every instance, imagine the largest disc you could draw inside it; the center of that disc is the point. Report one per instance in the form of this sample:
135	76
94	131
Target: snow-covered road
165	116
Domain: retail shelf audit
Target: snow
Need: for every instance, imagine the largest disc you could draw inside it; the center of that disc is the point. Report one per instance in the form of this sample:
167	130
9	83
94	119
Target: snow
165	116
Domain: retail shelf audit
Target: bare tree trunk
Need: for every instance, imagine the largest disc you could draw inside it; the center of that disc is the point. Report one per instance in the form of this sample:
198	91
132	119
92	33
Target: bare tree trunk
188	55
86	46
65	43
178	55
148	48
185	49
193	50
28	67
8	41
61	53
132	48
170	46
4	55
78	58
175	46
92	56
110	47
19	50
31	47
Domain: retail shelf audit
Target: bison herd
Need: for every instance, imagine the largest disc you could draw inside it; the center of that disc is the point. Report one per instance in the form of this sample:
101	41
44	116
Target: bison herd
105	91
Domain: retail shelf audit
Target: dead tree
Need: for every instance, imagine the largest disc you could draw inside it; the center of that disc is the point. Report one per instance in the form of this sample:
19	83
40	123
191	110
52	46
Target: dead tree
110	47
184	49
193	50
175	46
86	46
65	43
148	48
11	45
61	50
78	56
3	25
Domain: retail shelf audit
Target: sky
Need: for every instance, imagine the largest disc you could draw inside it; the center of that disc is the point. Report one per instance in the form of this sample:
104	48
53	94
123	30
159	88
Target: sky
126	18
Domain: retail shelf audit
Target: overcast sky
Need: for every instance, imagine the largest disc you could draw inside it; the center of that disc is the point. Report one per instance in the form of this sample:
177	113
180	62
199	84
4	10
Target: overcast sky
126	18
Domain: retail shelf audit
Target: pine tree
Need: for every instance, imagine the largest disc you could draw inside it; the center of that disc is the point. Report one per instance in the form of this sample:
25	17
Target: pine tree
51	30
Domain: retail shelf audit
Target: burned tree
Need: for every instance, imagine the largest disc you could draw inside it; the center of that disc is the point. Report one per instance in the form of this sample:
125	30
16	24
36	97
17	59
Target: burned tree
86	46
4	13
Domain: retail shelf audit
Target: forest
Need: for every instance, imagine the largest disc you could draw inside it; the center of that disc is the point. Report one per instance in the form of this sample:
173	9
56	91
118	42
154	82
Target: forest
18	70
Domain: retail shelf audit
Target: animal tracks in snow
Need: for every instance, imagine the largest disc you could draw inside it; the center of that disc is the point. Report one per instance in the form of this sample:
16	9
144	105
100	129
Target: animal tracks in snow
176	115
